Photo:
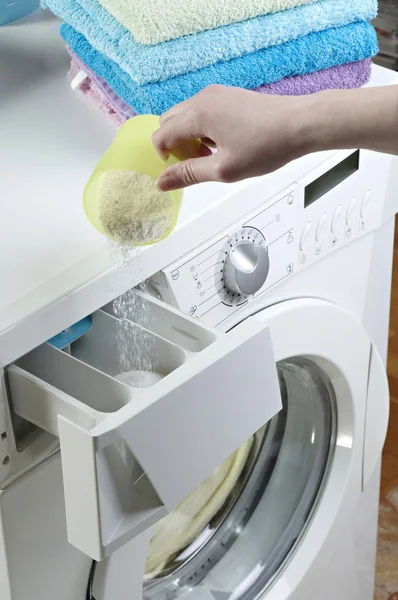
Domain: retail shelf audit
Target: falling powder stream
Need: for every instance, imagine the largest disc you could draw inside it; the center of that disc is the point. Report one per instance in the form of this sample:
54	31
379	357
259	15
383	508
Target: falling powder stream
134	344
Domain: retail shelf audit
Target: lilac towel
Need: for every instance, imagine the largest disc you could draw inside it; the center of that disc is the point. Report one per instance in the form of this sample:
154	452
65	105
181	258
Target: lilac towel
348	76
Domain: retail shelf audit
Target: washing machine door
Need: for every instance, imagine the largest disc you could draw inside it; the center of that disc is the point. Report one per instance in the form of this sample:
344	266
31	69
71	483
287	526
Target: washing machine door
265	521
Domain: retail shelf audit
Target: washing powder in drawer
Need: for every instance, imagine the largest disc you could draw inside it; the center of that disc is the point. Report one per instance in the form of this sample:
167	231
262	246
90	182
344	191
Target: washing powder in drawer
130	455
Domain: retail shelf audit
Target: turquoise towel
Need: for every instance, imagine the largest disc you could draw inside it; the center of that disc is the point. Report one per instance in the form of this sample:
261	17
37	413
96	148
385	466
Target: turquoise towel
147	64
307	54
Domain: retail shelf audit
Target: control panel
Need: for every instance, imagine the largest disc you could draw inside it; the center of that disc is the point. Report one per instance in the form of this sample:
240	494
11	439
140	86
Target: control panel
327	208
239	265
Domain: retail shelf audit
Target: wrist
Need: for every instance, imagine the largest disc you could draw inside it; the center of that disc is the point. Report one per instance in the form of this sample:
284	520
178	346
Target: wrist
337	120
345	119
311	124
329	122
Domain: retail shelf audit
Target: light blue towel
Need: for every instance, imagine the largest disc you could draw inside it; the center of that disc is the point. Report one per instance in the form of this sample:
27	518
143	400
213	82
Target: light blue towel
307	54
145	64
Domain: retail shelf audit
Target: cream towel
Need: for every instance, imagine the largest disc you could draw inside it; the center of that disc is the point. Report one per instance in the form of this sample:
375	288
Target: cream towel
155	21
173	533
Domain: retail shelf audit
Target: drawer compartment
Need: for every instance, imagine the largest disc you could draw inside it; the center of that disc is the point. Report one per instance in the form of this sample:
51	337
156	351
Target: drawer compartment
88	372
130	455
187	333
111	347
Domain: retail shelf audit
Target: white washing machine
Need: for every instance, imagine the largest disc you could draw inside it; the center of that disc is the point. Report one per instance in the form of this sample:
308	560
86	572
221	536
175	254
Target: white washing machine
267	310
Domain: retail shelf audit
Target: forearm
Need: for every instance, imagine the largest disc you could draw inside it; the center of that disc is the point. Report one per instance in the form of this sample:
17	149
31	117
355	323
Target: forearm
366	118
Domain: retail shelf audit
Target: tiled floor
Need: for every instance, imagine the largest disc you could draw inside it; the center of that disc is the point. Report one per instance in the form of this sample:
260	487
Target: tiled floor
387	560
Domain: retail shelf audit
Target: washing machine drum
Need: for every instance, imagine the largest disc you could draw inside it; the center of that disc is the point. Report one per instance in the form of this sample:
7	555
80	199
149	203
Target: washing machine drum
231	536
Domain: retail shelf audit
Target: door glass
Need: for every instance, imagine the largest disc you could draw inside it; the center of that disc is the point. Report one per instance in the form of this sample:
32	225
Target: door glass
231	537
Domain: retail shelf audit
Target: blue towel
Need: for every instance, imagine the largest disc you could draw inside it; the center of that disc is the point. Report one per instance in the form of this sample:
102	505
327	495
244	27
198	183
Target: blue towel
307	54
145	64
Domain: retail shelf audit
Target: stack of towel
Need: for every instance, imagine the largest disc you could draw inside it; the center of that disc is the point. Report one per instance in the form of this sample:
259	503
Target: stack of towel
145	56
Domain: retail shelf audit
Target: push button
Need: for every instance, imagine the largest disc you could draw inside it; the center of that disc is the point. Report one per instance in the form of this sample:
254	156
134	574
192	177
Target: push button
365	203
336	218
351	212
320	228
305	236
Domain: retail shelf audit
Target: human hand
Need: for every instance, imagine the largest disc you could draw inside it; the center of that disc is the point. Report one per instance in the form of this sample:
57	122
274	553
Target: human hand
253	134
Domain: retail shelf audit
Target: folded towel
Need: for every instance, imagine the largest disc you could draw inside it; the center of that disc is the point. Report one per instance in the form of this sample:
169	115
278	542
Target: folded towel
145	64
154	21
310	53
91	90
173	533
343	77
122	109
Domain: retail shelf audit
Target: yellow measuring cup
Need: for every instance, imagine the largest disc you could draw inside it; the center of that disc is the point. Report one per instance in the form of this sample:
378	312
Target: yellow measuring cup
131	150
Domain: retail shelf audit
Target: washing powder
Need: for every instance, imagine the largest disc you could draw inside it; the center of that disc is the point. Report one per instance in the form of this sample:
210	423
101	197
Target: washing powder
139	379
131	208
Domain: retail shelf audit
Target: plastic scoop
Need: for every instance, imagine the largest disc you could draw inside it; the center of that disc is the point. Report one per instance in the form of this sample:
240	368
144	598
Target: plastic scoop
132	150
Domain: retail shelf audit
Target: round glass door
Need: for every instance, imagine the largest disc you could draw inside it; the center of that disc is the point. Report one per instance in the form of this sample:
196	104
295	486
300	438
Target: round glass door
232	537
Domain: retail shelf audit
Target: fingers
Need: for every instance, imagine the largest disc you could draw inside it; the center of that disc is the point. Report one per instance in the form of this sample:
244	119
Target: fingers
175	132
189	172
185	121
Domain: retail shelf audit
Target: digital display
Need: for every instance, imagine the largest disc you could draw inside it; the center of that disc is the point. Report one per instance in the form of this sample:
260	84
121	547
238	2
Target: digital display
331	179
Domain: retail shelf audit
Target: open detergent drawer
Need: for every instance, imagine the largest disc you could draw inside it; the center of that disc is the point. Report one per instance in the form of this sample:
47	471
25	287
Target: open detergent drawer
131	455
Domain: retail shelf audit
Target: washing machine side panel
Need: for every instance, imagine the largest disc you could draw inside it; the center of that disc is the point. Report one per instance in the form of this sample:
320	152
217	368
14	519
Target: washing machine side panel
36	560
338	579
376	316
351	571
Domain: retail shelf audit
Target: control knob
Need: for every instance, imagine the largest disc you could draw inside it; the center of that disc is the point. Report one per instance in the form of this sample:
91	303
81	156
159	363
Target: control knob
246	268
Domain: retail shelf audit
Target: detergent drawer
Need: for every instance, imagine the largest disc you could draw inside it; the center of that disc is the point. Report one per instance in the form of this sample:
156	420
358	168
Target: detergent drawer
131	454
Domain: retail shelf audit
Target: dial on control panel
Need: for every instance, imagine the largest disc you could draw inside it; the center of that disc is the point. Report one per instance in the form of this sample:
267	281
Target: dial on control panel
246	265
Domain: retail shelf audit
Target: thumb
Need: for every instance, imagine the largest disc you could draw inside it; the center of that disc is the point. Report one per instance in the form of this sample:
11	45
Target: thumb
189	172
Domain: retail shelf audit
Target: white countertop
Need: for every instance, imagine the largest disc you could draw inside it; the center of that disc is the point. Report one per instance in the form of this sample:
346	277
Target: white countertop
54	267
50	141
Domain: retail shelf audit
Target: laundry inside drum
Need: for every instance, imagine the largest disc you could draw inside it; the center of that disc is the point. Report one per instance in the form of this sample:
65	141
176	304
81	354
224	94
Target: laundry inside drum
231	537
180	536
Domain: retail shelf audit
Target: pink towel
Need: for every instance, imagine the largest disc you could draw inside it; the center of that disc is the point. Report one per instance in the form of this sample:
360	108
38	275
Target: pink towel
90	89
